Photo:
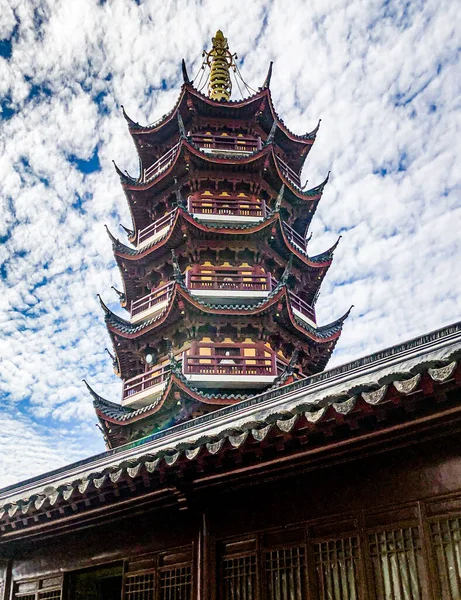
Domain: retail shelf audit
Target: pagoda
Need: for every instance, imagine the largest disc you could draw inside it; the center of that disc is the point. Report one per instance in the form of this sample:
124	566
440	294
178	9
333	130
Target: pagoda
218	283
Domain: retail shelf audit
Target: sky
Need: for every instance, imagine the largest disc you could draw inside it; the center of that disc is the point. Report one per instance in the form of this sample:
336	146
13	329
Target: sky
385	79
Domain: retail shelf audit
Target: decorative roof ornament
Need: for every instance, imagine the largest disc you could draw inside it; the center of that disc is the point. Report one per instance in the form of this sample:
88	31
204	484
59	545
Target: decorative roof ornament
115	242
115	364
267	81
287	271
103	304
179	201
124	177
120	294
311	135
175	365
127	230
178	276
185	76
131	124
220	60
278	202
271	136
182	129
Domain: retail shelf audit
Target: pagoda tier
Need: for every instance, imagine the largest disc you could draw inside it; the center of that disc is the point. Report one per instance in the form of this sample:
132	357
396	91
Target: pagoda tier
253	116
218	285
270	243
170	399
177	318
259	174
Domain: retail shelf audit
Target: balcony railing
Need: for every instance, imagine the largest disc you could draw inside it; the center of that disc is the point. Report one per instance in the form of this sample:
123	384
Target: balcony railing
161	164
222	364
141	386
235	206
152	300
233	144
289	173
243	282
301	306
156	228
295	238
228	278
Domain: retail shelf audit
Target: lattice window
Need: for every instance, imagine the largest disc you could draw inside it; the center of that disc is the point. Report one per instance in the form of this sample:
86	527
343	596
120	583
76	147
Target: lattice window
50	595
240	578
336	563
176	583
140	586
49	588
285	573
396	561
446	543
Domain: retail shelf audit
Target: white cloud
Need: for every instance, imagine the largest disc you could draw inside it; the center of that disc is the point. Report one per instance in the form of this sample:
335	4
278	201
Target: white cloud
385	80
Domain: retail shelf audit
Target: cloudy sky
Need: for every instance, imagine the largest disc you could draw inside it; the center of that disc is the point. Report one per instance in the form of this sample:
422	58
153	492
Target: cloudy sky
383	76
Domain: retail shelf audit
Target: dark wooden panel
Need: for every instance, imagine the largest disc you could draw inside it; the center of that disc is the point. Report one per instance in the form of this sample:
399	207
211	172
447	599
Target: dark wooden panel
104	544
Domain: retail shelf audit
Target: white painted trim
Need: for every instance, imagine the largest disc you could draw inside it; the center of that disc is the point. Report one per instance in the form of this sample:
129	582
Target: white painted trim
230	293
231	381
150	311
145	397
154	237
227	218
226	151
304	318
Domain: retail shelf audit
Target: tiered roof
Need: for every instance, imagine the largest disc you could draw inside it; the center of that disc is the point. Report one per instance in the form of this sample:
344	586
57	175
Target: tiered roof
232	147
375	402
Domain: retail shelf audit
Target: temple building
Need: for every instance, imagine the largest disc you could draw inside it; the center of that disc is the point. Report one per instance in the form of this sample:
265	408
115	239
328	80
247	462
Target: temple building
237	466
218	283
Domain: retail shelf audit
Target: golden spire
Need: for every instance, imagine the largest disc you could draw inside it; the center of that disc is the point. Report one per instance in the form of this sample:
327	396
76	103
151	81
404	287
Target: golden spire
219	59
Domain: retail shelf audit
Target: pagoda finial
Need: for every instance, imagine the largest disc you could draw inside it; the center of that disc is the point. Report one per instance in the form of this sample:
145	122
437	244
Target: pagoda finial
219	59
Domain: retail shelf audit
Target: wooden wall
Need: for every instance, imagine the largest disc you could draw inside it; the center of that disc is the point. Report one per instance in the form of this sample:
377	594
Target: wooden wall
404	487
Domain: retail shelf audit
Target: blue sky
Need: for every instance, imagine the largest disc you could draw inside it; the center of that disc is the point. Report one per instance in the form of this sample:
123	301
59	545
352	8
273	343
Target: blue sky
383	76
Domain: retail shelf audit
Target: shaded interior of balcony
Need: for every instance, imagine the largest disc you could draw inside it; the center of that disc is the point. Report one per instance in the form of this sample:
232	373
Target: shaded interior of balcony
227	284
209	365
226	208
223	145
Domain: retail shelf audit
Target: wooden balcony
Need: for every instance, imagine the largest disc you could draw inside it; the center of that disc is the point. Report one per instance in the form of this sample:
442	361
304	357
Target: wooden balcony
161	164
240	144
227	209
288	172
220	284
302	309
242	284
295	238
230	365
156	230
145	388
150	304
